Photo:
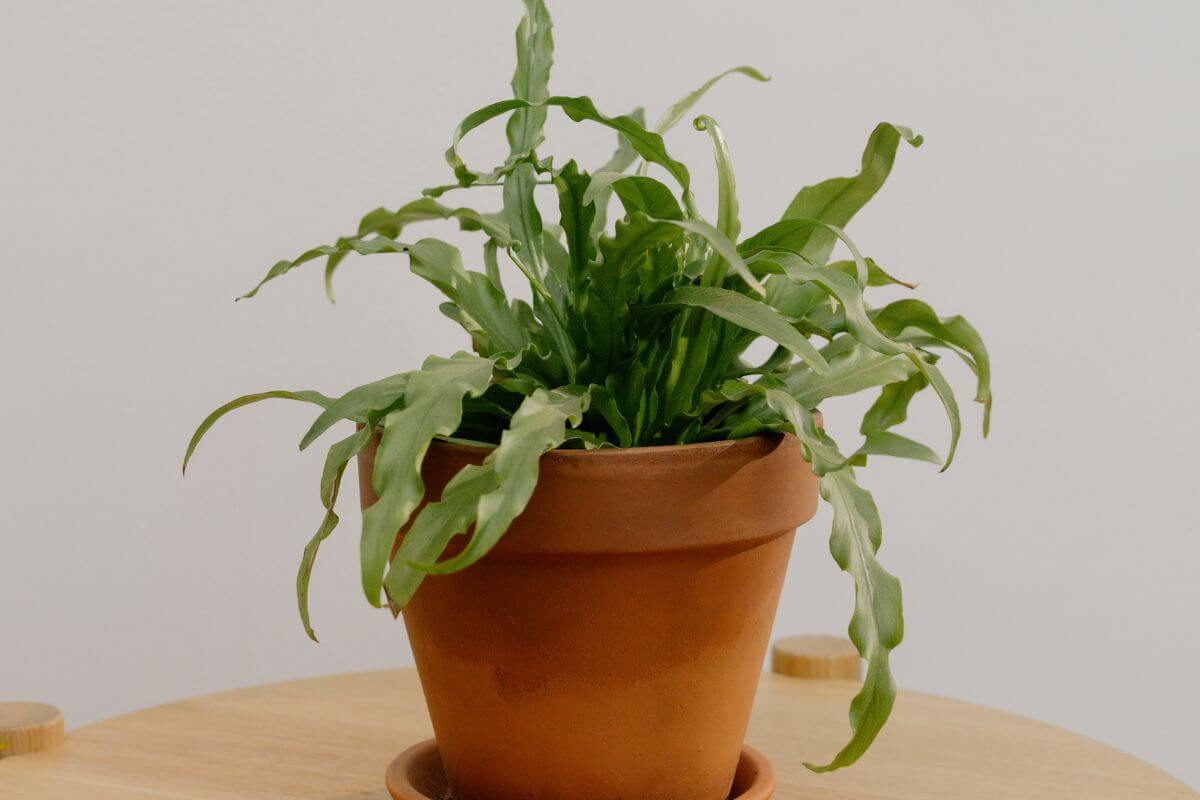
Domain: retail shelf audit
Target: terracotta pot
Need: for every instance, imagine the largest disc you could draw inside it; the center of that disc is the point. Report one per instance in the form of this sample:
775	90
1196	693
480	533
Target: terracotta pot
609	647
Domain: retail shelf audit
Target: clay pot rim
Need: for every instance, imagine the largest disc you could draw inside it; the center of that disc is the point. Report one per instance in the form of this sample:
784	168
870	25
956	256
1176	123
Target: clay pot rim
763	442
658	499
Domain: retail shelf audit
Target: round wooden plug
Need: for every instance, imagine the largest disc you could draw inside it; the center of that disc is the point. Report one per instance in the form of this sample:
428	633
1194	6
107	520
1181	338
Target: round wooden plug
29	728
816	657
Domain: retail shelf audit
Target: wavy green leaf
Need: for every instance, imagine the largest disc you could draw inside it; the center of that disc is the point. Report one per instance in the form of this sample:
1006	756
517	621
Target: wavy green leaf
876	275
680	109
866	331
638	194
432	407
331	480
434	527
390	224
576	212
891	407
535	56
886	443
877	625
856	371
344	246
355	404
751	315
790	235
540	425
837	200
819	450
462	172
377	232
728	222
621	159
722	247
525	221
484	303
647	144
604	403
614	284
953	332
304	395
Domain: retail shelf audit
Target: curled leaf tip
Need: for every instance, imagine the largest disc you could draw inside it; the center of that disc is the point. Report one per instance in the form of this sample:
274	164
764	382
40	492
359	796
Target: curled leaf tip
700	123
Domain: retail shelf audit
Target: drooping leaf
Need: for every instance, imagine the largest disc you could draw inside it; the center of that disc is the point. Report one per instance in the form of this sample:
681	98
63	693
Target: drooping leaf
390	224
954	332
432	407
305	396
539	426
350	244
819	449
876	275
865	330
331	480
877	625
377	232
357	403
887	443
433	529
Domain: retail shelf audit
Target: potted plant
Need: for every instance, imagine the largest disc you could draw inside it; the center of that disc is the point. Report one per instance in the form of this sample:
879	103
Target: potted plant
586	520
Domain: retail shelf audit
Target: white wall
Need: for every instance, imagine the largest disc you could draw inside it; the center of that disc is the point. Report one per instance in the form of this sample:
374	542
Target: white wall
157	157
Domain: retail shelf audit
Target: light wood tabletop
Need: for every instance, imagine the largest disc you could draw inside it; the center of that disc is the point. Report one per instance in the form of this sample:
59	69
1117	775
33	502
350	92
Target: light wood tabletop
331	739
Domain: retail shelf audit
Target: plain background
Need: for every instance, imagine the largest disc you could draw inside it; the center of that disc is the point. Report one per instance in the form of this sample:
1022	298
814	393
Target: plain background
157	157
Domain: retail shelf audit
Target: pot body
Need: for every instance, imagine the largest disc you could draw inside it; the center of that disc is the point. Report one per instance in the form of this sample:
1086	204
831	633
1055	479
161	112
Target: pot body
611	644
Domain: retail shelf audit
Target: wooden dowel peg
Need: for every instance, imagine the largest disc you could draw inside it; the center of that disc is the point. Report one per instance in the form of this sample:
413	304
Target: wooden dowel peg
29	728
816	657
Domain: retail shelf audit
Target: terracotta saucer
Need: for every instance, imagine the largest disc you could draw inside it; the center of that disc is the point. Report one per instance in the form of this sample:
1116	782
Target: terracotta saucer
417	774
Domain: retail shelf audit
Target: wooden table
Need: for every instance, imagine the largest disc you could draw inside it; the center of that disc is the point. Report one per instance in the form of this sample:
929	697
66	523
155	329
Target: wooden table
331	739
